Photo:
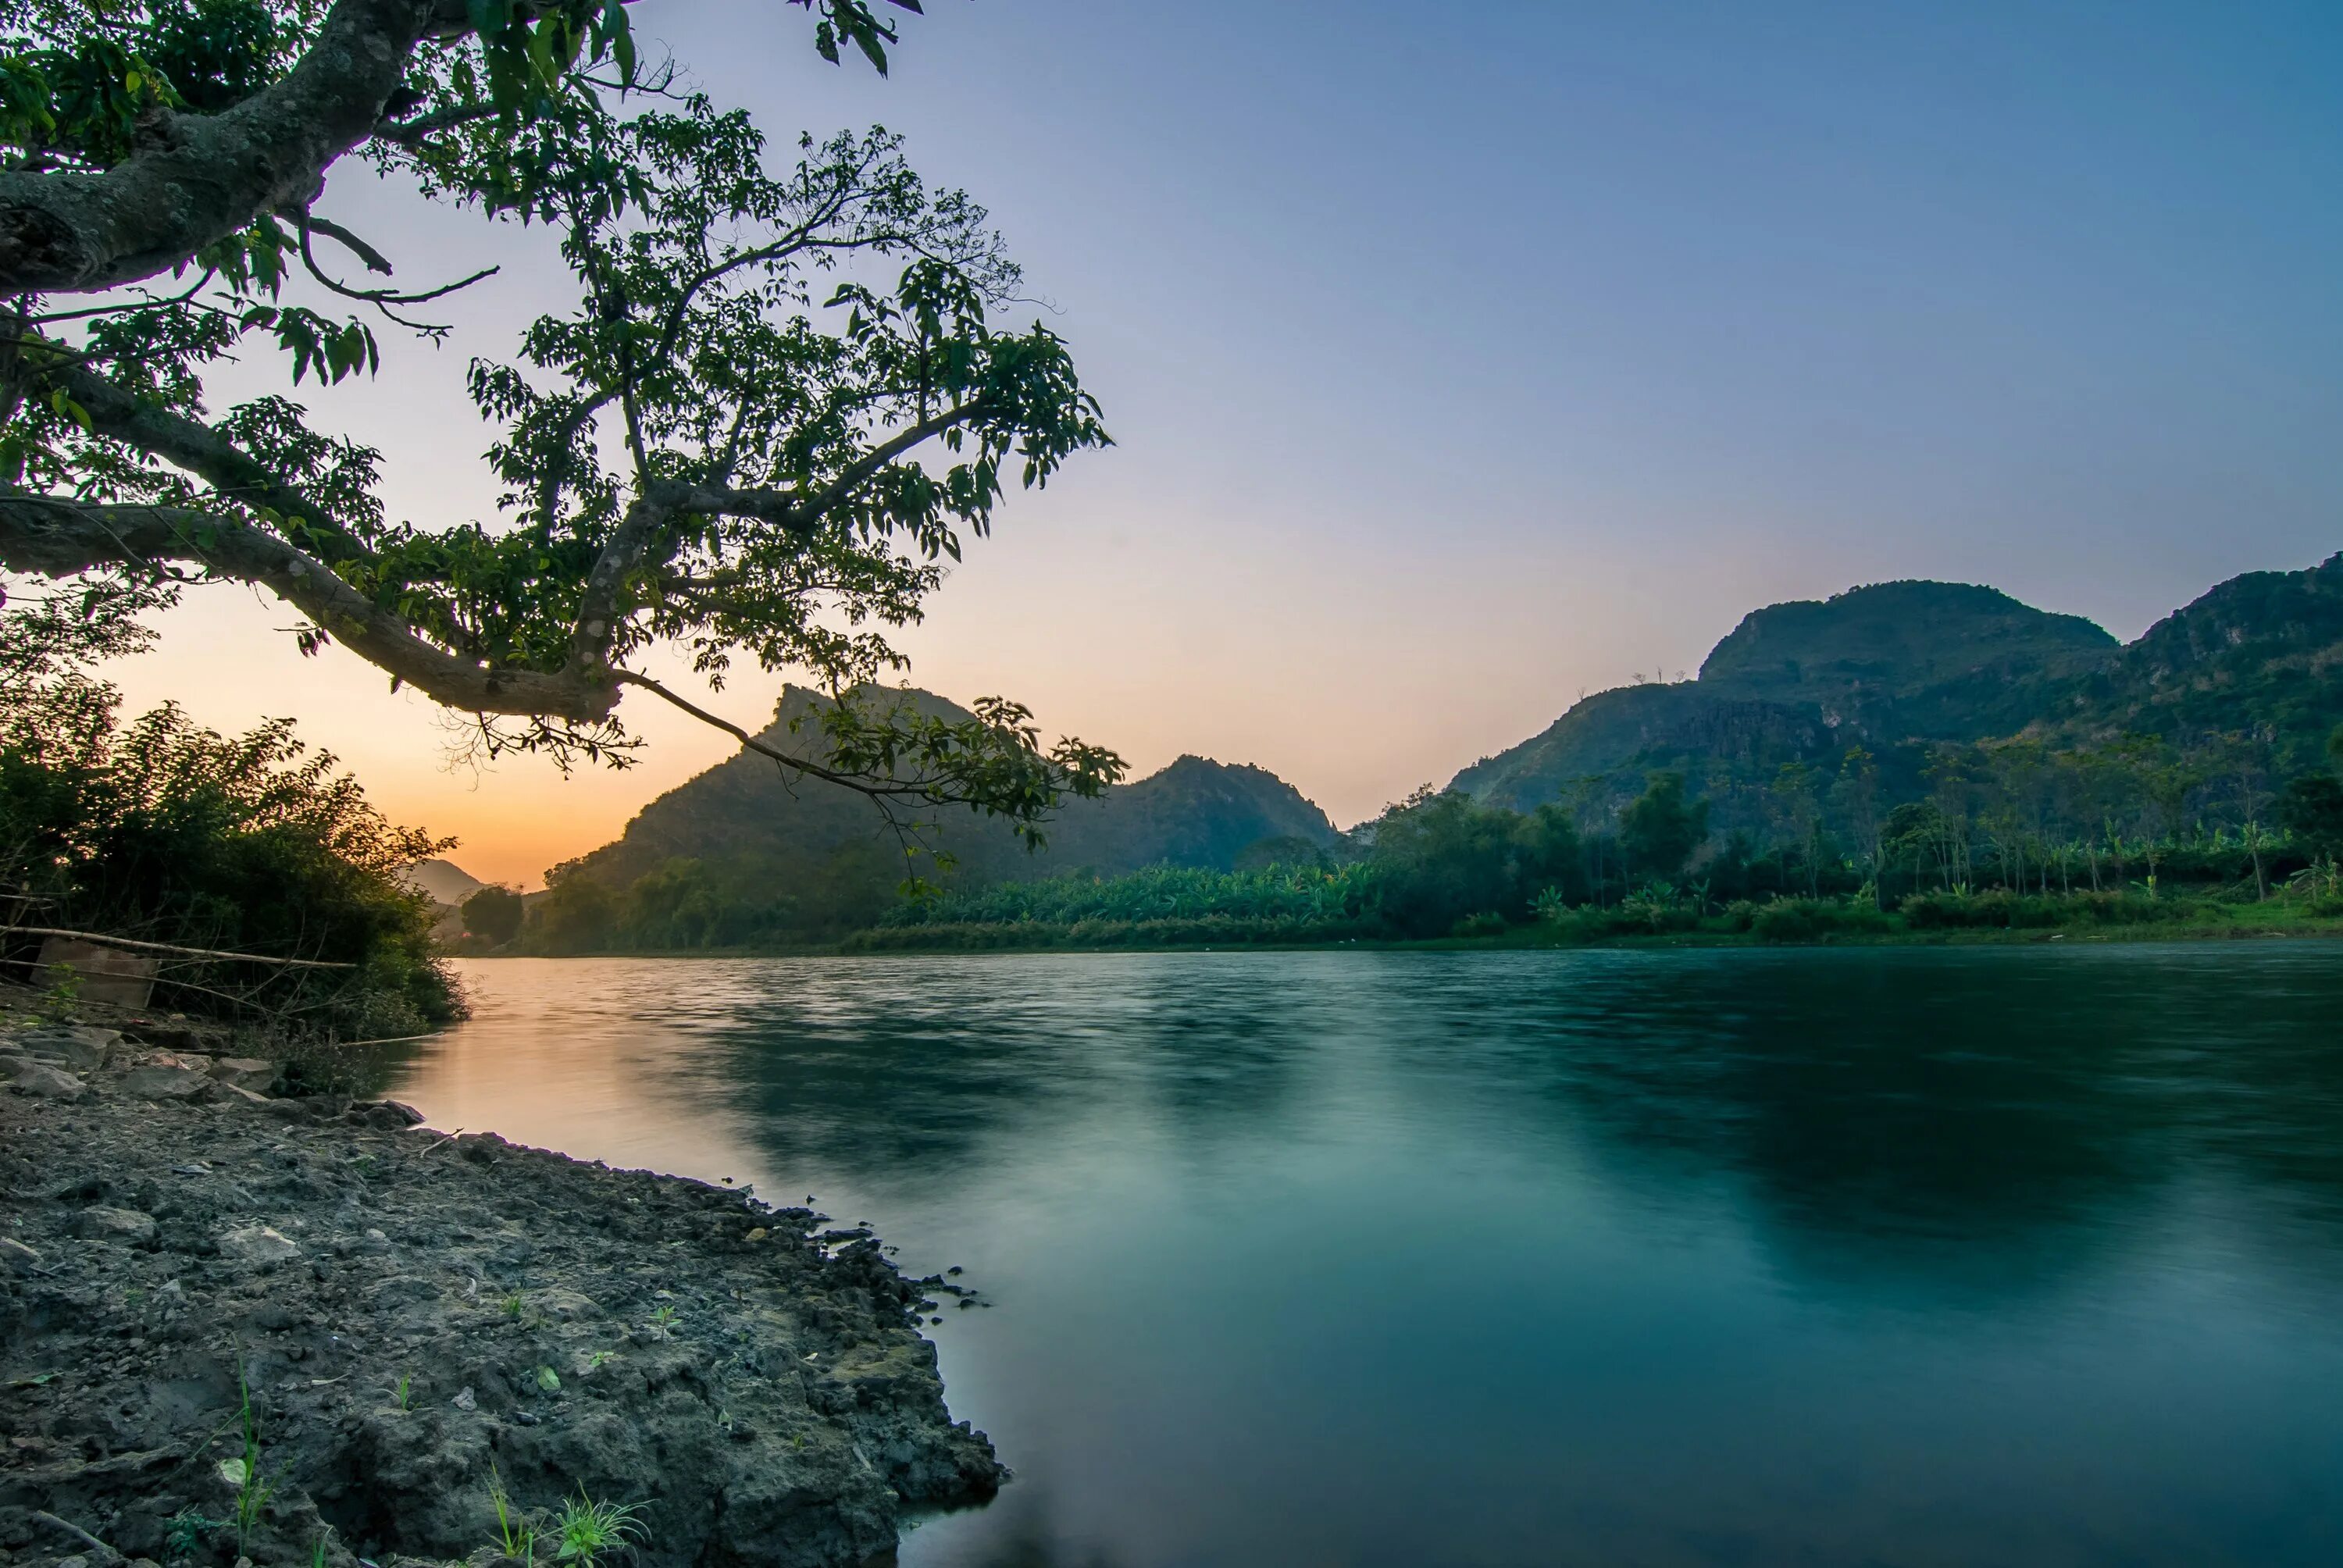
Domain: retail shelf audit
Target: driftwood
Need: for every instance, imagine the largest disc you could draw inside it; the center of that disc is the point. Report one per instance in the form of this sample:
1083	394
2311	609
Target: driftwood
174	948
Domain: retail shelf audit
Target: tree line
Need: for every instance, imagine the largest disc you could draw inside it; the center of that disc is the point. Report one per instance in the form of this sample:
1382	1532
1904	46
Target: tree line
2002	834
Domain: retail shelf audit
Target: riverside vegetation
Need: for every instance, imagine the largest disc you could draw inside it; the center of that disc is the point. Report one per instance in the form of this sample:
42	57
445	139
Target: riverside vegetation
1911	761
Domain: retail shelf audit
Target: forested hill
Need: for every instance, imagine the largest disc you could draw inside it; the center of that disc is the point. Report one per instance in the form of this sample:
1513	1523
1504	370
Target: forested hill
740	844
2260	652
1898	668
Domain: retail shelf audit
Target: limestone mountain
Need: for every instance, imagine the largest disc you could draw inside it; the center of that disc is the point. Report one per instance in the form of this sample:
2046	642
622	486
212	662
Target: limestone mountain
2260	652
828	856
1896	668
441	882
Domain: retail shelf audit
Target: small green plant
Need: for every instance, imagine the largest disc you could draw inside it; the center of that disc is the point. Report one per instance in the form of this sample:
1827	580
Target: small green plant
595	1362
588	1529
549	1380
64	987
186	1531
252	1489
663	1317
402	1392
514	1304
515	1530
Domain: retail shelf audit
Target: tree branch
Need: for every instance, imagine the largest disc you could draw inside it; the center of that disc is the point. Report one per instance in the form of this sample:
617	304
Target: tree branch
915	788
55	538
202	177
200	450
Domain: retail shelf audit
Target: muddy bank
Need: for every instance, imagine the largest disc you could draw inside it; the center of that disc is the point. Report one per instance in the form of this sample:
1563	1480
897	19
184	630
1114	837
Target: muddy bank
417	1321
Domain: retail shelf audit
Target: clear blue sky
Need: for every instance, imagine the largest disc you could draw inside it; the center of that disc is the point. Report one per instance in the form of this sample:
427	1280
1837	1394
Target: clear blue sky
1466	357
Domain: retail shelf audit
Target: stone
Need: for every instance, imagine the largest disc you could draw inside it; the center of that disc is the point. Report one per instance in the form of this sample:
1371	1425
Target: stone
248	1072
78	1045
127	1226
26	1077
257	1244
156	1082
193	1060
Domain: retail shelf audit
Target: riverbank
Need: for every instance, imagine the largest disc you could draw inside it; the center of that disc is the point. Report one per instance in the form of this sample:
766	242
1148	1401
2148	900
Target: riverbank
1208	934
303	1330
1786	922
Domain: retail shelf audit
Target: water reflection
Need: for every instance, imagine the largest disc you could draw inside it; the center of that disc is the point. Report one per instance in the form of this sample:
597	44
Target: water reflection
2019	1255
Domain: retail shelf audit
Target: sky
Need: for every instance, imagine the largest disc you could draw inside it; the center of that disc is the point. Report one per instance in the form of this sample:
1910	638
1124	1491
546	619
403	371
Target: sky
1466	360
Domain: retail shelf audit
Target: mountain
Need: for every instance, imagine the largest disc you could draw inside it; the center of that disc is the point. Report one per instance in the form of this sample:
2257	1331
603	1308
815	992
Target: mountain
830	844
1897	666
2262	651
1945	660
442	881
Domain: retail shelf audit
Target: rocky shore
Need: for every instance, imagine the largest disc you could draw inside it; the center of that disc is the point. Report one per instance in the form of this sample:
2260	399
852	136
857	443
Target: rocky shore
304	1330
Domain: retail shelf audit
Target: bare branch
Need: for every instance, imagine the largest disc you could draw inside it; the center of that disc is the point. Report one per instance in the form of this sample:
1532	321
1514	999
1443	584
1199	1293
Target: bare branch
897	789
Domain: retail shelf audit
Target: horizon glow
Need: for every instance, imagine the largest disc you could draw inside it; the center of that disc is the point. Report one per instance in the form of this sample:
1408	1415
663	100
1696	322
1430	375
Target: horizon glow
1460	370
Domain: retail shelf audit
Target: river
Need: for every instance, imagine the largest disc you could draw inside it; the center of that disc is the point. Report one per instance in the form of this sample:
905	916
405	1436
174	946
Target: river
1894	1256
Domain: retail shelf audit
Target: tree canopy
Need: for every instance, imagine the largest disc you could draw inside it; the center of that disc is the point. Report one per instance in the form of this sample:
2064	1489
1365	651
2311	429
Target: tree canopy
778	398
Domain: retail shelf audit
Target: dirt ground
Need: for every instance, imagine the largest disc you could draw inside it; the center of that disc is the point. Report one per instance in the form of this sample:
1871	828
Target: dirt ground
301	1330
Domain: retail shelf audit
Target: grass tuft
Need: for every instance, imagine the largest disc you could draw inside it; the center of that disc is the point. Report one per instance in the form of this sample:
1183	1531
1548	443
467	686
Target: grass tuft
587	1530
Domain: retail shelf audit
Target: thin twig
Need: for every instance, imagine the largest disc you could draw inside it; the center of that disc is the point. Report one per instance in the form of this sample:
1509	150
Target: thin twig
75	1530
103	940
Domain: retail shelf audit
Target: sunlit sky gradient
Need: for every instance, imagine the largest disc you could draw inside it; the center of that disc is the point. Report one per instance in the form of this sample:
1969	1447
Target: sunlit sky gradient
1465	358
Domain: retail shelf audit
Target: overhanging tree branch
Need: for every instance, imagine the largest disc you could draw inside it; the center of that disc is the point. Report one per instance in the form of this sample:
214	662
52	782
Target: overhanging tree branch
199	179
56	537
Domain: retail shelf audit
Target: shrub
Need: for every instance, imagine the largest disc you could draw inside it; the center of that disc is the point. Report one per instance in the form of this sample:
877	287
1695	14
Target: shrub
170	832
2001	910
493	915
1814	920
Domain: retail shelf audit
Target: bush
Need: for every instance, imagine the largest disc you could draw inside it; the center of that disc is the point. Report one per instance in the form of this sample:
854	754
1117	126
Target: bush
493	914
169	832
2001	910
1814	920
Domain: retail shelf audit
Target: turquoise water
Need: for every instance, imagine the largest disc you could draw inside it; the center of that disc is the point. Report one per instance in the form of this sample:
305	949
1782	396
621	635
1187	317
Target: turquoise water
2015	1256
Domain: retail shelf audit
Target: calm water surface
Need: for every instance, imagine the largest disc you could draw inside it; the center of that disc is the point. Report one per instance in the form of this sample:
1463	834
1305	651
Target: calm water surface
1987	1257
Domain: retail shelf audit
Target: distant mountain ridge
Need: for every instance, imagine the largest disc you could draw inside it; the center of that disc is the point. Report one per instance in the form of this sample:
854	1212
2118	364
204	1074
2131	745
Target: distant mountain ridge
442	881
1903	665
1898	668
1196	813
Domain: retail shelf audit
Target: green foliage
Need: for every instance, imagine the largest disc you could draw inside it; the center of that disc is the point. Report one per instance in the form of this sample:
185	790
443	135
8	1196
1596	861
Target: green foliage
2312	810
577	915
253	1491
164	831
586	1531
516	1530
1660	829
493	914
737	859
1307	896
1812	919
784	389
2030	735
1999	909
